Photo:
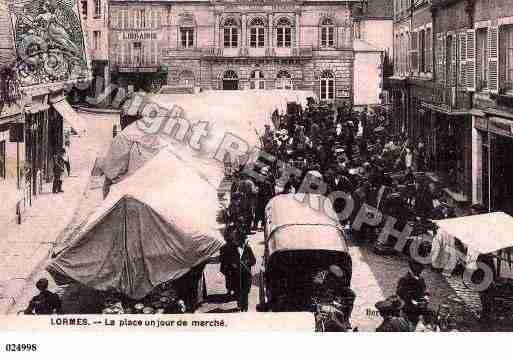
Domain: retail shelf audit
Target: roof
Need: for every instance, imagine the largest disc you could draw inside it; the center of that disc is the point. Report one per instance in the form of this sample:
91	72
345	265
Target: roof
293	224
483	233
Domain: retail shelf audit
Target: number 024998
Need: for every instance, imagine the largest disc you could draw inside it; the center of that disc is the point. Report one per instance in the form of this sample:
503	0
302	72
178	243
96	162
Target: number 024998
21	347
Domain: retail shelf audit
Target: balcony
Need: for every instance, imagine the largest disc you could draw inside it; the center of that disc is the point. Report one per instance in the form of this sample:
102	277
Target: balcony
140	67
450	99
293	52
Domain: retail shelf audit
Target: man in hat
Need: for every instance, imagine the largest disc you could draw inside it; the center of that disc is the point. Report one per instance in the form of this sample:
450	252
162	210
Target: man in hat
390	311
45	302
237	258
332	293
58	170
411	288
265	192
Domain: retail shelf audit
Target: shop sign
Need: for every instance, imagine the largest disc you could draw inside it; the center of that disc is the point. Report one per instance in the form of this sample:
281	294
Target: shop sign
497	125
138	69
138	35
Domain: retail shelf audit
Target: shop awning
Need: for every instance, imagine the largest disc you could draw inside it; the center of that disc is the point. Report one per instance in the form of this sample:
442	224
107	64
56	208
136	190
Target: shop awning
483	233
69	115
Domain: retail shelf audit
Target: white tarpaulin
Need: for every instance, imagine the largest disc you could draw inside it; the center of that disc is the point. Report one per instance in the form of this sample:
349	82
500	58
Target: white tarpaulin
483	233
69	115
230	116
153	227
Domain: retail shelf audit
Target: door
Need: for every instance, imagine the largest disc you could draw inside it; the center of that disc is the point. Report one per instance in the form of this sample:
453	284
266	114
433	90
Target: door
230	80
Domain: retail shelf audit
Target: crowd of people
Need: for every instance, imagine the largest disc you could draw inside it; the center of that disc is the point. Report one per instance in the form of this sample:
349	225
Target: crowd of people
353	152
347	150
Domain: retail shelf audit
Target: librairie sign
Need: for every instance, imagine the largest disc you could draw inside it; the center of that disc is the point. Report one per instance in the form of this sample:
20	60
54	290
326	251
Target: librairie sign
138	35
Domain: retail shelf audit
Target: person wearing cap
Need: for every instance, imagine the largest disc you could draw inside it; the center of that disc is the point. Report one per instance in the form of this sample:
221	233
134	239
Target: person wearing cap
390	311
45	302
412	289
265	192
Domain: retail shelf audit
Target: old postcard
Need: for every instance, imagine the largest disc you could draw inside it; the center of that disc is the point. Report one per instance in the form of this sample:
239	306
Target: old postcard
256	165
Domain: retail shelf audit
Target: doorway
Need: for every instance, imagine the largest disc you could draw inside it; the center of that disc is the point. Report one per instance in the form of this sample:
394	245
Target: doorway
230	80
502	167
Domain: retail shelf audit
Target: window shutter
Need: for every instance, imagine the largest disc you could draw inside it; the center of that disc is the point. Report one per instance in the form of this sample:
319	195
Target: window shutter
493	59
454	57
471	60
414	59
440	58
463	60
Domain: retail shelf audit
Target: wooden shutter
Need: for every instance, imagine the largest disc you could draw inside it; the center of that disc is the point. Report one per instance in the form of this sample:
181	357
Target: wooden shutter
493	59
463	60
454	57
414	53
471	60
439	57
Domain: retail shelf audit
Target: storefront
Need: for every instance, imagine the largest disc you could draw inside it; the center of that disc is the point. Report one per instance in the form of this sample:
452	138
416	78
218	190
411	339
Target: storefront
493	148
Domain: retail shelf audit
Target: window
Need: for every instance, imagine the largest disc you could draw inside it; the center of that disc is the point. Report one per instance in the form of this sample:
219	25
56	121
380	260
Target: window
284	81
506	57
283	33
428	60
422	51
327	33
142	19
187	37
137	53
482	59
97	8
128	53
84	7
357	30
257	80
257	33
231	33
327	83
97	39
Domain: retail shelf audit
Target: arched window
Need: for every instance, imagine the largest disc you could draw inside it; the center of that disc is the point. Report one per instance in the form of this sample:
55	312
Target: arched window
327	86
257	81
284	80
231	33
283	33
257	33
327	33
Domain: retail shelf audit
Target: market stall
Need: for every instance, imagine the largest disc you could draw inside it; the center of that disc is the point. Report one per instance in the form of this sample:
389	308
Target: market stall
154	227
476	243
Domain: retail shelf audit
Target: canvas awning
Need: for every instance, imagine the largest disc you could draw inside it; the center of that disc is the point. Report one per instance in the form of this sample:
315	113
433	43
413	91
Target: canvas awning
153	227
483	233
69	115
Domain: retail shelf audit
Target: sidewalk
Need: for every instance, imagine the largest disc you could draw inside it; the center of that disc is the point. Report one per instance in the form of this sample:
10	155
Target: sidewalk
24	248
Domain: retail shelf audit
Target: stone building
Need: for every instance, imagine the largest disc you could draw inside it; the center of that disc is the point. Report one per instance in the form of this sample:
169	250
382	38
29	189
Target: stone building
373	46
452	87
231	45
94	16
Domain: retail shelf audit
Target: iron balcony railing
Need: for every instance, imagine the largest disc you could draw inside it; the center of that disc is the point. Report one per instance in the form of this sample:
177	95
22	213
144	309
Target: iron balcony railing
450	98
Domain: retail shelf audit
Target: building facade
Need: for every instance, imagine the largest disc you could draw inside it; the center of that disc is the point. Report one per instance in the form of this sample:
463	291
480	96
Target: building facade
489	72
233	45
95	20
452	85
373	50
